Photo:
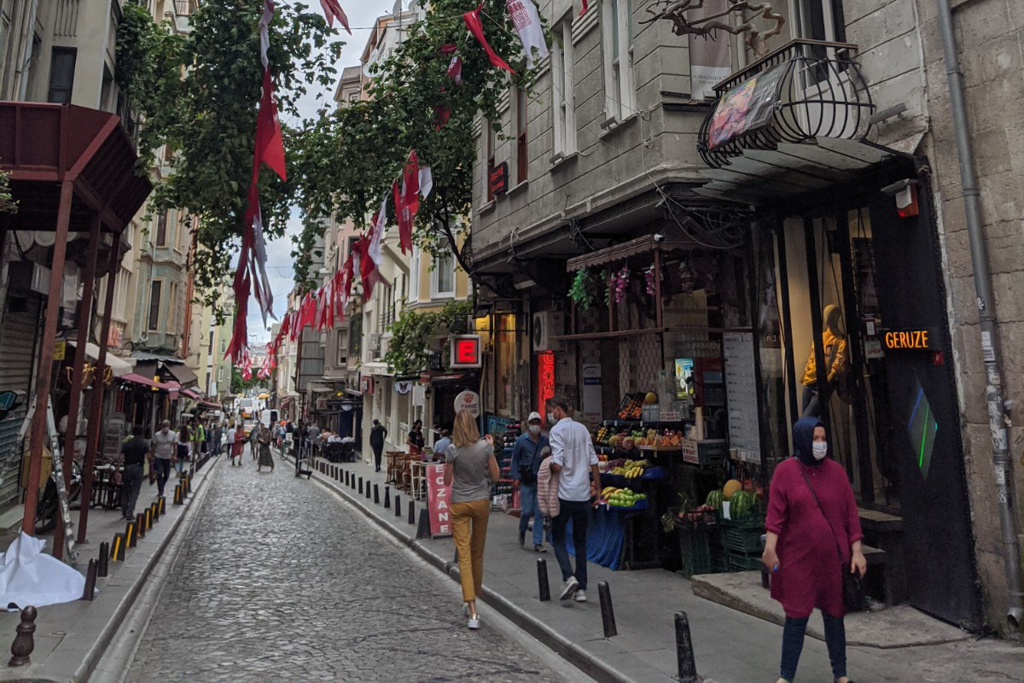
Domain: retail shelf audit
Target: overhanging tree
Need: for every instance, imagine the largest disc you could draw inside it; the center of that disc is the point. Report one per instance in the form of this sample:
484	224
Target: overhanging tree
353	156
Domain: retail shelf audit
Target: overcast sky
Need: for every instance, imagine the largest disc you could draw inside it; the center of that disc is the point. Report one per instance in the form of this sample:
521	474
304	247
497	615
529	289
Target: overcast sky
361	15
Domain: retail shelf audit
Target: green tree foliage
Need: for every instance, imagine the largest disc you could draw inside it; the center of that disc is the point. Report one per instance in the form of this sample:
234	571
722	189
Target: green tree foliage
205	109
413	331
7	203
354	155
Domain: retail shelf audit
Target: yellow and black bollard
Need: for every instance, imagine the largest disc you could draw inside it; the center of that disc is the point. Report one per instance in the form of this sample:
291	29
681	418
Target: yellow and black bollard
162	509
140	525
130	535
149	518
118	548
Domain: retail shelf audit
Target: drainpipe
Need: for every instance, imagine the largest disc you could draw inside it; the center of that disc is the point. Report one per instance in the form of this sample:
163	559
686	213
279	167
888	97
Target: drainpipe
997	417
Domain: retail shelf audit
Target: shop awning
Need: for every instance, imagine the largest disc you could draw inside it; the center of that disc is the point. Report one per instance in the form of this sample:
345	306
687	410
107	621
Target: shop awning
211	405
118	366
441	378
183	374
146	382
191	394
620	252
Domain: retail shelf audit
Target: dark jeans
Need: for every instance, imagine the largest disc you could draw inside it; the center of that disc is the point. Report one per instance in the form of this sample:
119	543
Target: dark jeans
793	645
131	482
810	402
162	468
579	513
377	452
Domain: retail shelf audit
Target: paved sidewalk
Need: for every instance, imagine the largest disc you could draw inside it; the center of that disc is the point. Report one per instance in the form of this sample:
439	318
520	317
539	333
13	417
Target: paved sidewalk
730	646
71	637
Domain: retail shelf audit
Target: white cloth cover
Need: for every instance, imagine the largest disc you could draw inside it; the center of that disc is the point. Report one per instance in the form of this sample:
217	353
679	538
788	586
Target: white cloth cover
29	577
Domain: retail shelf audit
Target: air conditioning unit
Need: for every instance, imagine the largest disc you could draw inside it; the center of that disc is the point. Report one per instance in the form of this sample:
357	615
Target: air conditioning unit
546	325
375	341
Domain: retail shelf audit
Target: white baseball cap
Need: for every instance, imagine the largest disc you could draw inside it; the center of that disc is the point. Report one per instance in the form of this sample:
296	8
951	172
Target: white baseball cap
533	416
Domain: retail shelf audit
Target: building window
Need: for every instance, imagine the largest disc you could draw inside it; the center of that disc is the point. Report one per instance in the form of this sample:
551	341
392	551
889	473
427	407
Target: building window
62	74
355	335
414	269
161	230
209	348
617	40
155	291
489	137
208	384
522	147
818	19
563	88
172	308
443	280
342	348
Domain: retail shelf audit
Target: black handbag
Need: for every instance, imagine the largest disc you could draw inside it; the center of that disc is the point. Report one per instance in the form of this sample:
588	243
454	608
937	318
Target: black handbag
853	587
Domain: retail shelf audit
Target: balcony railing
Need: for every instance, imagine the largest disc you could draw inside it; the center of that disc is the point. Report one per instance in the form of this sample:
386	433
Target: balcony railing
805	90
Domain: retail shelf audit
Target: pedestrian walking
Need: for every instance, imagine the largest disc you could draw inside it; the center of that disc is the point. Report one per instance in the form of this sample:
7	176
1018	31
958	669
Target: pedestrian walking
254	434
218	437
133	455
184	439
813	537
164	454
230	442
415	439
526	458
263	441
441	445
573	458
377	435
198	437
313	436
469	470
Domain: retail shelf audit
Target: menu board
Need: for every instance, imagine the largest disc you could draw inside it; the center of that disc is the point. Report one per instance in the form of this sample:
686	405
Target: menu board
741	392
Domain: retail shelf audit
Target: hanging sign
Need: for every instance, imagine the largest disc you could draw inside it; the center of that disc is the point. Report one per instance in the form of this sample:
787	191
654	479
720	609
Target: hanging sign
438	502
59	350
366	384
466	352
498	179
468	400
912	340
403	387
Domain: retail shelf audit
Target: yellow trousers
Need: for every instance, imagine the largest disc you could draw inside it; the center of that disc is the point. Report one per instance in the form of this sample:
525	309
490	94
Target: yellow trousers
469	527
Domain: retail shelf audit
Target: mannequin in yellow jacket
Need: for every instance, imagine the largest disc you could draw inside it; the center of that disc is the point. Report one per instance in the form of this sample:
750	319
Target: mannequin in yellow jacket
834	343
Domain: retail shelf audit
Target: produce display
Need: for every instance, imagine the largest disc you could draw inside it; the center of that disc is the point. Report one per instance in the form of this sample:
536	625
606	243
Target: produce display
664	439
743	501
631	469
632	406
622	498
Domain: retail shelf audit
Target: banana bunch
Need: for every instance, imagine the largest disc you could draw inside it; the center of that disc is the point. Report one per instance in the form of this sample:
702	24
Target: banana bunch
608	490
634	472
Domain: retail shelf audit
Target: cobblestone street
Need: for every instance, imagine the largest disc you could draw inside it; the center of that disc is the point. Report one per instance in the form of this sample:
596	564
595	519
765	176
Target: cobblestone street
278	580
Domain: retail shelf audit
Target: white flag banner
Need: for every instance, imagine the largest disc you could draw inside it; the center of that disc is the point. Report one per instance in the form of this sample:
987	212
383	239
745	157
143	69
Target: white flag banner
710	57
426	181
377	233
528	26
266	301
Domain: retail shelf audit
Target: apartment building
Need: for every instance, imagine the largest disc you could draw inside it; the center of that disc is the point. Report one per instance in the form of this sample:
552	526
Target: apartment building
738	204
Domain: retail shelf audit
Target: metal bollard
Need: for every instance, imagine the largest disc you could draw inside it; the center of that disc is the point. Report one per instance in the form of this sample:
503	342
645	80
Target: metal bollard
360	486
352	483
367	489
24	643
177	494
346	477
188	484
607	613
154	511
130	535
423	530
543	589
140	526
387	497
103	566
90	581
147	515
117	550
412	512
398	505
163	506
684	650
376	494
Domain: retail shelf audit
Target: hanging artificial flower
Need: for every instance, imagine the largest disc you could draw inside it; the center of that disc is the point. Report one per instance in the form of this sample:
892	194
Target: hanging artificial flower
619	282
649	281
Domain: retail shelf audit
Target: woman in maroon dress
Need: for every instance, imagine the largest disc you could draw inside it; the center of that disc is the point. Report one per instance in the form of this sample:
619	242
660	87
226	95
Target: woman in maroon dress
805	542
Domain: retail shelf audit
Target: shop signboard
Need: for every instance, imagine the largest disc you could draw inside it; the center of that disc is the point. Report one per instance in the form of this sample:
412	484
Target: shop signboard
746	108
468	400
741	391
921	339
591	373
59	350
545	381
466	352
403	387
438	502
498	179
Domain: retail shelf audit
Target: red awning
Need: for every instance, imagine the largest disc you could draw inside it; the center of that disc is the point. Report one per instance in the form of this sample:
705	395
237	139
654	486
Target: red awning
191	394
211	404
145	381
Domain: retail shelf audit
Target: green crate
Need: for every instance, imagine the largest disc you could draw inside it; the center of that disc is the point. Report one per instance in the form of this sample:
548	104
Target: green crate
719	561
741	562
755	520
695	552
742	540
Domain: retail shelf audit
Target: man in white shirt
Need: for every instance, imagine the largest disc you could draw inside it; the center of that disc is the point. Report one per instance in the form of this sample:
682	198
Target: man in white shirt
573	458
232	435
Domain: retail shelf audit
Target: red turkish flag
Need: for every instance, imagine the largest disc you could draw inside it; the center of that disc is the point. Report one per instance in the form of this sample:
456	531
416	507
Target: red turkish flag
333	9
269	142
472	20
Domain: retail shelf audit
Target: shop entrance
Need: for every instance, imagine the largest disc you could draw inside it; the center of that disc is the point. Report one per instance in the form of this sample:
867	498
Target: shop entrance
866	349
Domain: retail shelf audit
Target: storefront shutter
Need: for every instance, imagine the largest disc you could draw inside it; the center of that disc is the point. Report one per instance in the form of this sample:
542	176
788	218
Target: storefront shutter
17	351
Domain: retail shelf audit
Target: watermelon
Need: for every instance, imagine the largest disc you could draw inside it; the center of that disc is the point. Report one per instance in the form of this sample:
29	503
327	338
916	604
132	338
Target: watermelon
742	503
715	499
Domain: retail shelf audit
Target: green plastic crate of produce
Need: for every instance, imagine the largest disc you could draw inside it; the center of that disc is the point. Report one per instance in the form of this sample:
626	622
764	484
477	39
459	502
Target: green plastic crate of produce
742	540
695	553
741	562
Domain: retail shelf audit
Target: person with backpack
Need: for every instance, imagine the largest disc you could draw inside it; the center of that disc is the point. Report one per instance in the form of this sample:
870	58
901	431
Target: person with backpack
526	458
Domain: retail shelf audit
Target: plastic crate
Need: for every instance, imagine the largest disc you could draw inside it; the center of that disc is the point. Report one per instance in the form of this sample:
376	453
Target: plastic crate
695	553
719	561
741	540
741	562
754	520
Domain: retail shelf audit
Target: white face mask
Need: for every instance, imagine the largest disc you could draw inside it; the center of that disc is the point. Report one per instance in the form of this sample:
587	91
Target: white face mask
535	429
551	419
820	449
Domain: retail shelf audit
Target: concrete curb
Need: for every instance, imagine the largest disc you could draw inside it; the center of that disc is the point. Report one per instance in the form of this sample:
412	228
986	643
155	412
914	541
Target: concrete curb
94	647
590	664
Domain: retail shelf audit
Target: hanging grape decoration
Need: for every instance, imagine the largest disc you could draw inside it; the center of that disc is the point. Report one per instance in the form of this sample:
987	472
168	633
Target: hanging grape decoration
650	281
619	283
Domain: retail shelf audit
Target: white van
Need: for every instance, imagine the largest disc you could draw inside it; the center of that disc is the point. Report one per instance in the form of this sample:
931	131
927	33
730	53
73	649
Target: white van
268	417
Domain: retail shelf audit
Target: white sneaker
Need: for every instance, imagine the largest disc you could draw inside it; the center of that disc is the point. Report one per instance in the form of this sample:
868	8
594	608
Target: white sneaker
569	588
581	596
474	623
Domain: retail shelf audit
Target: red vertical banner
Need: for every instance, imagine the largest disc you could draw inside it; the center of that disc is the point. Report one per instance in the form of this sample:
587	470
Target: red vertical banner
545	381
438	502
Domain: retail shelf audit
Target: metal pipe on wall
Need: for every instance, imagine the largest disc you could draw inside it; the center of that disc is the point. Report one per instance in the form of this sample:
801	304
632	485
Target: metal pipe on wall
997	414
